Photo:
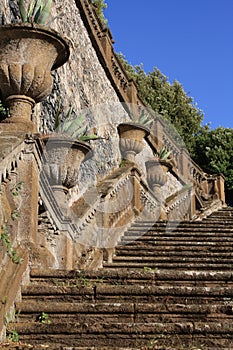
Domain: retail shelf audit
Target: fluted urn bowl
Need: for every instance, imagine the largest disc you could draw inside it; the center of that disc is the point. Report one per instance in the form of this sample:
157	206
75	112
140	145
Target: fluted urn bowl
131	139
62	159
28	53
156	171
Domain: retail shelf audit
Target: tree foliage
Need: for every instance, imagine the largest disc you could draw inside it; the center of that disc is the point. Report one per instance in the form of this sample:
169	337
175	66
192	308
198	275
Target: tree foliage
100	6
213	151
168	99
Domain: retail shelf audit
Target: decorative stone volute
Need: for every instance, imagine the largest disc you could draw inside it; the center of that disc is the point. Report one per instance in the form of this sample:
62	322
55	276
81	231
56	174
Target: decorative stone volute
131	139
28	53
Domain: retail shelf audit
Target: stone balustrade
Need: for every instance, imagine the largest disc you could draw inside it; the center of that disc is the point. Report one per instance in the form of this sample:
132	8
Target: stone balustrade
104	214
93	225
127	91
103	43
18	210
178	206
87	233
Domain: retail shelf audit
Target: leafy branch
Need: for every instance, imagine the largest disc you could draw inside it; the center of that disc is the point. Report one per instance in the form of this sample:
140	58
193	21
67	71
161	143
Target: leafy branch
100	6
15	190
6	240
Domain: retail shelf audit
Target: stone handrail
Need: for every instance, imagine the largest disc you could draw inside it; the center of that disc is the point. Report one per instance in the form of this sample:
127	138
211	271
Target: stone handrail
9	161
126	89
178	206
56	215
124	86
207	187
102	41
109	190
18	158
103	215
117	201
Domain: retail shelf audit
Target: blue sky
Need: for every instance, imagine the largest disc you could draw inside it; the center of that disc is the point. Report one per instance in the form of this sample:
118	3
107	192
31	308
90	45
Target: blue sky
188	40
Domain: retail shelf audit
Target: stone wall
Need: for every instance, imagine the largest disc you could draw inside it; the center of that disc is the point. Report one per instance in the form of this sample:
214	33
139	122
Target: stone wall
82	81
83	84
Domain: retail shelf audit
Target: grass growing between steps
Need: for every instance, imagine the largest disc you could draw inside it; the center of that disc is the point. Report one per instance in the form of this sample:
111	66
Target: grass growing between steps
79	281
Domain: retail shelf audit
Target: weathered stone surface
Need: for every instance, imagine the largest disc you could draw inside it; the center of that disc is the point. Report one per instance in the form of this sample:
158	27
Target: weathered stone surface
169	284
83	84
131	308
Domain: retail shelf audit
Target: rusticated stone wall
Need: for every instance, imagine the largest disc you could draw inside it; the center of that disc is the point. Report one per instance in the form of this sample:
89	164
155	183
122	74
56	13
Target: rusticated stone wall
80	83
83	84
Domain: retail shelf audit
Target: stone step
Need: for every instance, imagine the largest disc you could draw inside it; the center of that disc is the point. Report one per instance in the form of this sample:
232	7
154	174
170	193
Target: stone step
132	292
169	247
172	252
189	343
222	213
126	335
24	346
208	258
178	239
180	233
185	225
125	276
123	312
171	265
172	288
218	219
216	230
77	312
204	225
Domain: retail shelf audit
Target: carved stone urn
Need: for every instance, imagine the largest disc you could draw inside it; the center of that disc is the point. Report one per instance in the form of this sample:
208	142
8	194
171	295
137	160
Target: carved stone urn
157	175
131	139
61	162
63	156
28	53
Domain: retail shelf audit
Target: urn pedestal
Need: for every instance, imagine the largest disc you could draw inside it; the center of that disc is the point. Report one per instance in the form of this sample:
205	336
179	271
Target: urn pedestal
28	53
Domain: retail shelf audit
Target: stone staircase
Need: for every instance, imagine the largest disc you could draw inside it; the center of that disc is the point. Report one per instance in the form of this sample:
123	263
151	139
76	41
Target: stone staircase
167	288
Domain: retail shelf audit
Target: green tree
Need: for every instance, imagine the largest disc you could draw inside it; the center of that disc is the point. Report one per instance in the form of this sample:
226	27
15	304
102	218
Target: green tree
100	6
213	151
169	100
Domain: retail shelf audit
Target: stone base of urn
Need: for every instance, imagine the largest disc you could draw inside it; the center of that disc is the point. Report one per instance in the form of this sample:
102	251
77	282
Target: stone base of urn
60	194
28	53
20	108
